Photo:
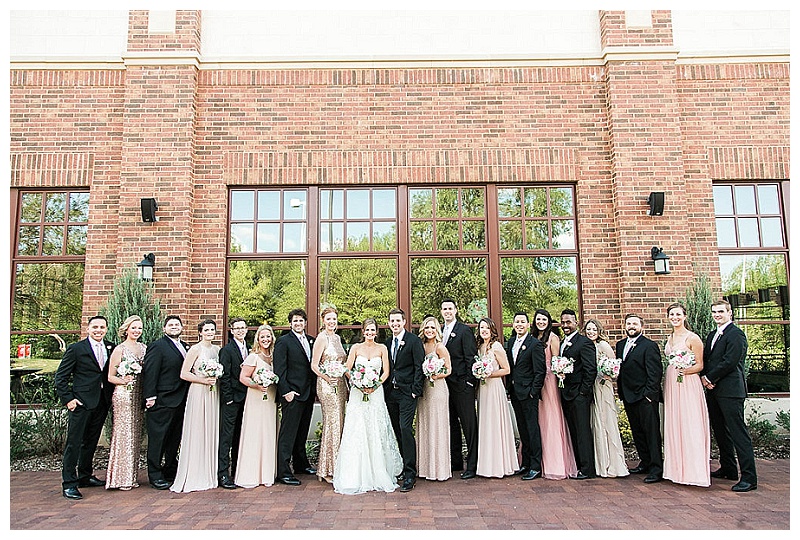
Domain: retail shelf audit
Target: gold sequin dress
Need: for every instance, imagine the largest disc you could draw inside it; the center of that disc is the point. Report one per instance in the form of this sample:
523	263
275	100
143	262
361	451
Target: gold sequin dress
332	401
126	435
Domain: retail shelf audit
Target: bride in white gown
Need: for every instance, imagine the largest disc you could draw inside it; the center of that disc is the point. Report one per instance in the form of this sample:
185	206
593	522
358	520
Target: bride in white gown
369	457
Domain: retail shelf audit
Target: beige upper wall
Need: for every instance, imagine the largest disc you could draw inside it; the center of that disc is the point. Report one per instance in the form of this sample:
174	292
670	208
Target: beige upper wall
390	35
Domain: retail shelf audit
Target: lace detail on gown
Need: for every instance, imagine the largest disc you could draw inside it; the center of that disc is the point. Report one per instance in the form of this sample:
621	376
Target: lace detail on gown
369	457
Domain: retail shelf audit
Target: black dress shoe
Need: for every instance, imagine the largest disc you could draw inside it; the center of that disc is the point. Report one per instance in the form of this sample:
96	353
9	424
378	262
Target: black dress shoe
719	473
743	486
308	470
466	475
638	470
522	471
92	481
226	483
72	493
160	484
581	476
289	480
531	475
408	485
653	478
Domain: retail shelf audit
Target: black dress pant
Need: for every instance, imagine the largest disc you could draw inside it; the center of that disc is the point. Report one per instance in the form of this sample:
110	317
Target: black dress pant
230	427
83	433
579	420
402	408
726	416
292	435
463	416
164	431
526	412
645	424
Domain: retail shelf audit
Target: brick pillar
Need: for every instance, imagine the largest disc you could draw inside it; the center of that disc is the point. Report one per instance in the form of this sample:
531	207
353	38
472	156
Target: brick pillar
646	155
157	157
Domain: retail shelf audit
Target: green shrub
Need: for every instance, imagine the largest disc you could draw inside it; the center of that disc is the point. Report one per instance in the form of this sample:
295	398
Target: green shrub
782	417
42	429
624	426
762	431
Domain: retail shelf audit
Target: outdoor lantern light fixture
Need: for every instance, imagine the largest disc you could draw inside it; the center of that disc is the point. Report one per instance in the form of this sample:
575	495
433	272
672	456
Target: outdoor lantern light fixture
146	267
660	260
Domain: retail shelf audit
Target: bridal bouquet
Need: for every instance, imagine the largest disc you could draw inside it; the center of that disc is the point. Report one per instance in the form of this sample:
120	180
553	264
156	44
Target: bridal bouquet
561	365
128	366
264	376
482	368
608	367
333	369
681	360
209	367
433	365
364	378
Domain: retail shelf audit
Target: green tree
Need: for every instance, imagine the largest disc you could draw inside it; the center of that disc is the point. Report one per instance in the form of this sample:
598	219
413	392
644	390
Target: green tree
132	296
698	301
265	291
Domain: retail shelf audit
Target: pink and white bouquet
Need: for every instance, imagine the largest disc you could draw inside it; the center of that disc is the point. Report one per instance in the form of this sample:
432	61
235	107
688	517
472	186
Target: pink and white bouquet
364	378
333	369
264	376
208	367
433	365
608	367
128	366
561	365
482	368
681	360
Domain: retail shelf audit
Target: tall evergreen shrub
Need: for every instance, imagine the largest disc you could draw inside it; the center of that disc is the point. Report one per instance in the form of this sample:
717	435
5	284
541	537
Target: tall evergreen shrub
132	296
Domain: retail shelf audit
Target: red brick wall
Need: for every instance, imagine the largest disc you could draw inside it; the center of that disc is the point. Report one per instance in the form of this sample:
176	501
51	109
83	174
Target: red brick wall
619	131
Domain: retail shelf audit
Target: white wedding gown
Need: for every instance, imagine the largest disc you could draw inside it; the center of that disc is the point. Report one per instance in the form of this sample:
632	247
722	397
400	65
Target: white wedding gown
369	458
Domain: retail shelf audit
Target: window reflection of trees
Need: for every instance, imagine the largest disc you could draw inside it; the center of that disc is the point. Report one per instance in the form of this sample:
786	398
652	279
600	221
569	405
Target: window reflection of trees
265	291
462	279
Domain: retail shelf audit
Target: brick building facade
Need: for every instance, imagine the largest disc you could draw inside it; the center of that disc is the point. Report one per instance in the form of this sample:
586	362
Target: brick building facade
168	125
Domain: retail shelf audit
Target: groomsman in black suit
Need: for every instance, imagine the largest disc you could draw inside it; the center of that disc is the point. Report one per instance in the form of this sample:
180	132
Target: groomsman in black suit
460	343
402	389
231	403
639	386
726	390
578	391
527	361
296	393
165	400
82	385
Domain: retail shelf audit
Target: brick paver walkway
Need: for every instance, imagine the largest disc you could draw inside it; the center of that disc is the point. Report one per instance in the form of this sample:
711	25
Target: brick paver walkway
509	503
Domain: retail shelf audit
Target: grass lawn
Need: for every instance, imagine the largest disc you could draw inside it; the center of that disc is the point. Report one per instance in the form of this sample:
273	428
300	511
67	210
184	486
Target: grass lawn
47	365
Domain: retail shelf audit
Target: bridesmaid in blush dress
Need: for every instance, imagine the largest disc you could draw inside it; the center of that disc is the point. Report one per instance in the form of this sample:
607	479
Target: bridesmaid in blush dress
497	453
331	391
558	458
687	436
433	425
257	456
126	436
197	462
609	454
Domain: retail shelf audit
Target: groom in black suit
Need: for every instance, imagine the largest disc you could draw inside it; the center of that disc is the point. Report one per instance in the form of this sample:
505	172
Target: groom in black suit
526	358
82	385
402	389
165	400
231	403
726	390
578	393
460	343
296	393
639	386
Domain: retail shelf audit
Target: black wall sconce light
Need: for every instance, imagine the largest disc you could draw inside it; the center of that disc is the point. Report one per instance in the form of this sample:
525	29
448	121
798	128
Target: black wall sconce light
149	207
656	203
145	267
660	260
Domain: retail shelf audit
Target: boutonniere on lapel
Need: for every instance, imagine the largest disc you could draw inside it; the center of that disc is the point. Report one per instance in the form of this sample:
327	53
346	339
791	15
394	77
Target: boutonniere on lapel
633	345
310	341
524	347
402	343
452	334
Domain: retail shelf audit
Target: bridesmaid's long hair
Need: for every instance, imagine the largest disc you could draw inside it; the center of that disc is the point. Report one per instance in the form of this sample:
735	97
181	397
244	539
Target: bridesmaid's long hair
601	332
543	335
256	348
493	335
123	328
680	306
438	338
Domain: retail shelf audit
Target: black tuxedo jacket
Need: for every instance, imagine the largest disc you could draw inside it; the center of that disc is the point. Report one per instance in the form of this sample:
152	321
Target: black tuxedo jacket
293	367
724	364
79	375
581	381
406	369
161	374
230	387
527	373
462	348
640	373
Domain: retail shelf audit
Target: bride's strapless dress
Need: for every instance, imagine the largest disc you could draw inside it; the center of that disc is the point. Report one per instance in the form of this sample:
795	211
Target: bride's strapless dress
369	458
